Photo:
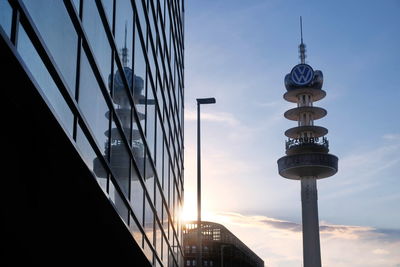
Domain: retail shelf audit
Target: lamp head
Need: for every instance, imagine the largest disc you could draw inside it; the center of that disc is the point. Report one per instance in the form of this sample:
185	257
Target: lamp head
210	100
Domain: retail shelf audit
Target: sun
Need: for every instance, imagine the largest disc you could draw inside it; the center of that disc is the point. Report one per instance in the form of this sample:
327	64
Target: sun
189	211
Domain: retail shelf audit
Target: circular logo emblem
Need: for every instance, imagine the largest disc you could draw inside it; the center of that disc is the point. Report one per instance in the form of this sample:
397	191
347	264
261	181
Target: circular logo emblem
302	74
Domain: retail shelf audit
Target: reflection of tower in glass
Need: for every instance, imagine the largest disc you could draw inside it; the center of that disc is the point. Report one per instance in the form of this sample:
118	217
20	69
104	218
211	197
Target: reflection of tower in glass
120	162
307	158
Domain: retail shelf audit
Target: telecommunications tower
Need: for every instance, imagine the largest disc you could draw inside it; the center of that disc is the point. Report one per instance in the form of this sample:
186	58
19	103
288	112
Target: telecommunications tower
307	158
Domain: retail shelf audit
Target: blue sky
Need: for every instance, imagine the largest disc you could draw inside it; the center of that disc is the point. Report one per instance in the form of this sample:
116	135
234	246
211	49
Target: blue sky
239	52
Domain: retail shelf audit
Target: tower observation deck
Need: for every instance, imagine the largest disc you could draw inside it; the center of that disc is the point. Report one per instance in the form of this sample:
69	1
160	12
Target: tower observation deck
307	158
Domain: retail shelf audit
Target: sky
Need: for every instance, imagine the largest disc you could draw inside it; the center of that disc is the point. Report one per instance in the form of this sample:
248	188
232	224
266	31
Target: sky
239	52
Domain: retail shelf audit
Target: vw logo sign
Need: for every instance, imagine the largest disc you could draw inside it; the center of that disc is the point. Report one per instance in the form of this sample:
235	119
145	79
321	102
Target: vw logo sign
302	74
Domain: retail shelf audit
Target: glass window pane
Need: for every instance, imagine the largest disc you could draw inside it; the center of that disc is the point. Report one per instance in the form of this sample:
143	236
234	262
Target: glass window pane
108	8
119	159
170	233
166	124
137	195
150	180
152	67
139	69
97	37
141	17
44	80
161	49
159	150
124	31
56	28
150	120
158	240
165	219
76	4
166	173
175	247
137	145
162	6
137	235
148	220
167	31
171	262
179	221
176	211
5	16
159	203
152	29
90	158
92	104
121	102
171	191
148	252
165	252
159	94
118	202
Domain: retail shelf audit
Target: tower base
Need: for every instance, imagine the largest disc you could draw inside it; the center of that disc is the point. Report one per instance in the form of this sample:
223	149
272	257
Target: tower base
311	243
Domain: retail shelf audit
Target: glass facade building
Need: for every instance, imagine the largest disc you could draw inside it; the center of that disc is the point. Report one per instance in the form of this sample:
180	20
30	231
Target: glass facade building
111	74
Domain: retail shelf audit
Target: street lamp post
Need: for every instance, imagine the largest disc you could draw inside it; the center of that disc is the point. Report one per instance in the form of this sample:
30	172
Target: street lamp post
200	101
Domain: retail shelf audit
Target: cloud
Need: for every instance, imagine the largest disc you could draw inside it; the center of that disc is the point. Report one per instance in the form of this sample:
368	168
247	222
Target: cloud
270	104
376	159
285	225
359	169
223	117
380	251
392	137
329	230
279	243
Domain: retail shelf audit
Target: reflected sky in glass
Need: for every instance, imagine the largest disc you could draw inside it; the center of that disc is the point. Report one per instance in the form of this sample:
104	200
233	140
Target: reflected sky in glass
55	27
5	16
97	37
124	29
44	80
92	103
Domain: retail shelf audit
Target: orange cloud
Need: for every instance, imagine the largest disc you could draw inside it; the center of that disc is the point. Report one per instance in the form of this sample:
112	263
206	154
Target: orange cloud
278	241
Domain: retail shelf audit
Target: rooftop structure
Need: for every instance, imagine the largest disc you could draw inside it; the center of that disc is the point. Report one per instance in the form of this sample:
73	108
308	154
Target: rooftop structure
220	247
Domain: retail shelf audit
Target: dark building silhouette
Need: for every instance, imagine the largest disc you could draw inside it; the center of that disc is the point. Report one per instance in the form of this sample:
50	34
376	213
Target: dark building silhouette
220	247
93	99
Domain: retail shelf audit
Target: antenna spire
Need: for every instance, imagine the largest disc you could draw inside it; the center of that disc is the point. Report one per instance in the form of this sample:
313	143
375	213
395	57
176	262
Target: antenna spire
125	33
302	46
301	29
125	50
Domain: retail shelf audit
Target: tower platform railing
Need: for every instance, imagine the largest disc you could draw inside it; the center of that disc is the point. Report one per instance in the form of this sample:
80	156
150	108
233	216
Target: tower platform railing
306	141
